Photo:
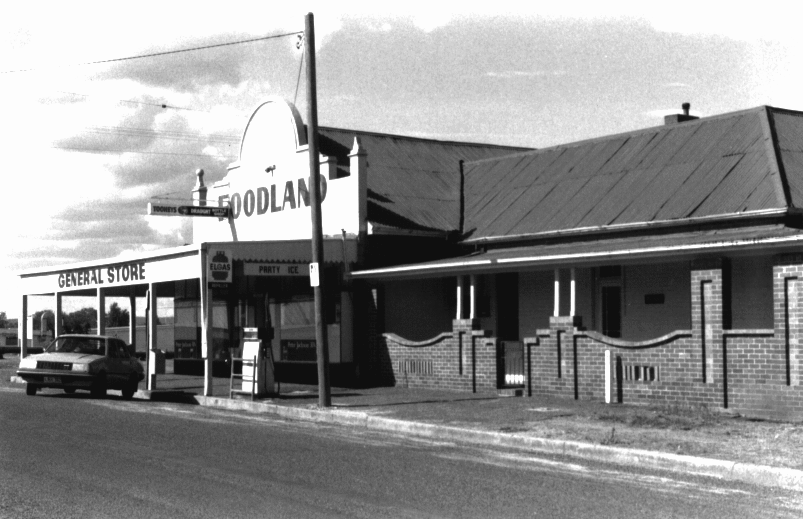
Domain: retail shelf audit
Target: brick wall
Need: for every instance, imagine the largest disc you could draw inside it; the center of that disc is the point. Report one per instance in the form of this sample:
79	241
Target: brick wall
754	372
463	359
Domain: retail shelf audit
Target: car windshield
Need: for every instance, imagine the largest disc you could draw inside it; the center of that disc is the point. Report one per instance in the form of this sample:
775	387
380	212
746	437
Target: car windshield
86	345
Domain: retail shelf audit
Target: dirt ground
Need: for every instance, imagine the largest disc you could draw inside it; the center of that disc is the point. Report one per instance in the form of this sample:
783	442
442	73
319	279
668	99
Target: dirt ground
674	429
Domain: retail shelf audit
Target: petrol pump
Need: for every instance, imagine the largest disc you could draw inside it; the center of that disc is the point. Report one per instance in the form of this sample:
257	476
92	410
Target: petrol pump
258	369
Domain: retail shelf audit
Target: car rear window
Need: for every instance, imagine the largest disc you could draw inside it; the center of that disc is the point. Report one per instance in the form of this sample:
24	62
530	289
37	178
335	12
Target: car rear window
85	345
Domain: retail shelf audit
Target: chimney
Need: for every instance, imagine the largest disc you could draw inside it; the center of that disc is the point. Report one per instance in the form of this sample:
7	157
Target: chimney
680	118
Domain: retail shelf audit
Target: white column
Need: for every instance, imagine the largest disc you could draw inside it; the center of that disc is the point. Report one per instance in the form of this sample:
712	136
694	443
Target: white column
58	326
556	308
101	298
608	378
472	311
153	343
460	282
206	325
22	327
572	292
132	320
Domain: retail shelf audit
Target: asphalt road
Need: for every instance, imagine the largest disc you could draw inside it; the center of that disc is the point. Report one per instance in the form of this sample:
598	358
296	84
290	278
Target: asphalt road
71	456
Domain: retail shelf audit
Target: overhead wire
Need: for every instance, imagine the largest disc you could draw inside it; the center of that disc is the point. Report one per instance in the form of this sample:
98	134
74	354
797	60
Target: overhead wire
220	138
164	53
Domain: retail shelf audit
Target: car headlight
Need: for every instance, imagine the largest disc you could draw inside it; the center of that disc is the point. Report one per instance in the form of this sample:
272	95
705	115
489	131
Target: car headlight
81	368
28	363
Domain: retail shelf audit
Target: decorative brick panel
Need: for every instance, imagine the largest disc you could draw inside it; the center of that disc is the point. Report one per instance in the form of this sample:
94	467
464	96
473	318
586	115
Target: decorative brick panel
461	360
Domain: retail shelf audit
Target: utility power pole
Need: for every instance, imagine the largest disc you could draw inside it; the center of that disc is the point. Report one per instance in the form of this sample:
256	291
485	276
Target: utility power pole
322	346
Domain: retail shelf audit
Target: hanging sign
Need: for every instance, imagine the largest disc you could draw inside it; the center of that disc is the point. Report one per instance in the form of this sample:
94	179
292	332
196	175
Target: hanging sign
219	268
187	210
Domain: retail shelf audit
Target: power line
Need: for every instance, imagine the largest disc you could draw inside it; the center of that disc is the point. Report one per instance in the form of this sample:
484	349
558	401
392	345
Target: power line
171	135
165	53
131	101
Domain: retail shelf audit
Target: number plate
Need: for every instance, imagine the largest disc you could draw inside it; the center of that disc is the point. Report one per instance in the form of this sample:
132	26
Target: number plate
53	380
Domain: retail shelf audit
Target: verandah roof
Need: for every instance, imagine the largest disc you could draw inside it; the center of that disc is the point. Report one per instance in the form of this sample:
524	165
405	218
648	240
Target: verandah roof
653	247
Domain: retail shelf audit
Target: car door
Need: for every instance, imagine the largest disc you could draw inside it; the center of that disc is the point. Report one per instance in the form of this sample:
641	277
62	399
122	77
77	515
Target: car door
117	364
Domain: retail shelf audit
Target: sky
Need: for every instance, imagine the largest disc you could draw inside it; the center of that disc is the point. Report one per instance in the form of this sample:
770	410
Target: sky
89	138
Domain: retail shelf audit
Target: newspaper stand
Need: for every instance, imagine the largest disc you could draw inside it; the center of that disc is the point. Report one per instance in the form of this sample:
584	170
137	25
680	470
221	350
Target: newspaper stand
257	374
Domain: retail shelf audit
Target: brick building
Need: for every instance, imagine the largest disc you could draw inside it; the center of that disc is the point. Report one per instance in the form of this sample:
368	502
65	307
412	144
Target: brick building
660	265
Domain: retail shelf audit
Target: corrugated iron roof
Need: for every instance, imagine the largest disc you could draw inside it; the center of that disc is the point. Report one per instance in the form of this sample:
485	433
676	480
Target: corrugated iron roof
413	183
655	247
748	161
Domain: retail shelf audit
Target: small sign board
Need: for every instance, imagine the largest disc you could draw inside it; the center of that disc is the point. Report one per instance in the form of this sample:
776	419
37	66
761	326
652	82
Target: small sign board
314	275
187	210
219	266
275	269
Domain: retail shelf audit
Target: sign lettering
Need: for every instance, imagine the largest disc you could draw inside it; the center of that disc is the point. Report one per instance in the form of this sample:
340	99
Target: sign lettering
275	269
115	274
273	199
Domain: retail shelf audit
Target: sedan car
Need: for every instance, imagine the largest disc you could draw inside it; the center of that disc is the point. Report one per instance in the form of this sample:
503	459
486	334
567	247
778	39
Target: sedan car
89	362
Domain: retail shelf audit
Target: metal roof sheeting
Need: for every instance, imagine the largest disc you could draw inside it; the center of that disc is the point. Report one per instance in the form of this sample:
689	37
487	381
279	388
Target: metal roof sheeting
655	247
721	165
412	183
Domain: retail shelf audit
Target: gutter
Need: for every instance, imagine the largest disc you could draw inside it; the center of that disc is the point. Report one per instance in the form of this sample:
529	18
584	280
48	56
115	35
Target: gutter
469	265
658	224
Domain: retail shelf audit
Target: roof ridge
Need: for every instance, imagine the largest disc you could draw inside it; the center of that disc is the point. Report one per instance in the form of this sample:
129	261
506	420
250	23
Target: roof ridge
777	171
424	139
637	132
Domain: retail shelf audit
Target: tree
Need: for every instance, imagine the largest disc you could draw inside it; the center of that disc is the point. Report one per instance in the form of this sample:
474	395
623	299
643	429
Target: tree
80	321
3	320
47	315
117	316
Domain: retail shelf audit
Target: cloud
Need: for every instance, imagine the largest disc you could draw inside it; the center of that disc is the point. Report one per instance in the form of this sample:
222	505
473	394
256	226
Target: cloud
509	74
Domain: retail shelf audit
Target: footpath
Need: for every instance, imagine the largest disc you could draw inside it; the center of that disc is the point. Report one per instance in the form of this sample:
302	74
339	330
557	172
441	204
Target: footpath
681	439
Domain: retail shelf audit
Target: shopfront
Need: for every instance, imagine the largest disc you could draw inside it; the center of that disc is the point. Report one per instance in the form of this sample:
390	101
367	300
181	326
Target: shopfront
386	200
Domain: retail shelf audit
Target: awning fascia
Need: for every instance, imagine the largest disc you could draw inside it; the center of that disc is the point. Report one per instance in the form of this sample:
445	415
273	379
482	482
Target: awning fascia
491	262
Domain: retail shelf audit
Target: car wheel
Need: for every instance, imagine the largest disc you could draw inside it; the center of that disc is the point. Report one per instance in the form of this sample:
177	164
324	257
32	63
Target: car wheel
30	390
69	390
130	387
99	387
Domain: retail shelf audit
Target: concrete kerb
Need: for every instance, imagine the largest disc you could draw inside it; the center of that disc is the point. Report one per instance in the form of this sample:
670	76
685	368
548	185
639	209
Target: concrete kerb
790	479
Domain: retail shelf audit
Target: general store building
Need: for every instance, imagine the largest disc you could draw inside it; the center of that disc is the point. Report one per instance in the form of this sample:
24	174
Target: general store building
386	200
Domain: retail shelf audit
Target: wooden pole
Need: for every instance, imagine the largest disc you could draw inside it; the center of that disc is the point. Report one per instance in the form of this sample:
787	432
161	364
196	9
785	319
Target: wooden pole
324	391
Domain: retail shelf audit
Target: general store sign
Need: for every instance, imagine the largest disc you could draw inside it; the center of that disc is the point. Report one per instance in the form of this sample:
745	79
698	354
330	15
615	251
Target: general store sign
276	269
133	272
